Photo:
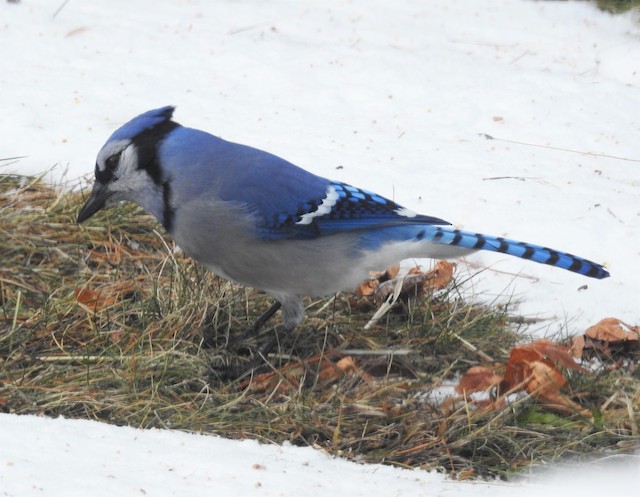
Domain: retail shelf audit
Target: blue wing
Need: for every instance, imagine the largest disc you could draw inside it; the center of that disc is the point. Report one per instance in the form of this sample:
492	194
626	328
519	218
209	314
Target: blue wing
337	207
286	201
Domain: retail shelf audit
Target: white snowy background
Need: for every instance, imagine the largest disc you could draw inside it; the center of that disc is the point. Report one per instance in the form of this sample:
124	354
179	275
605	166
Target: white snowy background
396	97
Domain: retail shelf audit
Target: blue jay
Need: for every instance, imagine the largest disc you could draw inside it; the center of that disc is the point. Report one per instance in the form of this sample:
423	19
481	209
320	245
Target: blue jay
254	218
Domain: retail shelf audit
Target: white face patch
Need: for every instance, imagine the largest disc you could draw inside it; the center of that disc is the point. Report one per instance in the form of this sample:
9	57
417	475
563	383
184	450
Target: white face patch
110	149
128	163
126	177
324	208
405	212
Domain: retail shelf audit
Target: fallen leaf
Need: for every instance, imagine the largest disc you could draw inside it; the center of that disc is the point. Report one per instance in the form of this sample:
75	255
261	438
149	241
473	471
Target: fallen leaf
611	337
389	273
106	296
347	364
478	379
611	330
414	282
86	296
577	346
544	378
518	370
533	367
559	354
95	300
367	288
545	384
290	376
330	372
441	276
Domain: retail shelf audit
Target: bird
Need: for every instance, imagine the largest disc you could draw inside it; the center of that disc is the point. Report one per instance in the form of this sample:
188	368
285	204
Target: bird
258	220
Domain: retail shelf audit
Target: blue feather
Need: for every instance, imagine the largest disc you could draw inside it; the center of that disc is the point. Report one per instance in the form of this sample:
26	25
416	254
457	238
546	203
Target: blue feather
275	191
143	122
261	221
477	241
354	209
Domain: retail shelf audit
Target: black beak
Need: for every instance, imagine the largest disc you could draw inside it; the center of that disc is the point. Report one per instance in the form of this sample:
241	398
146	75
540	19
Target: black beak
95	202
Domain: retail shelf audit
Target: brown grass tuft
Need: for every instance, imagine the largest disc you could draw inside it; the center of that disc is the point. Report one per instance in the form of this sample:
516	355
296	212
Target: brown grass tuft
107	322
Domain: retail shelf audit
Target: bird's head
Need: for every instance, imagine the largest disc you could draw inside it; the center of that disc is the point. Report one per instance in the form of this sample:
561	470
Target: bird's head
127	164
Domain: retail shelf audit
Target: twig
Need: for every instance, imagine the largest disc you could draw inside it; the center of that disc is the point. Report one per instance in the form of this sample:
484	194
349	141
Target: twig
86	358
473	348
59	9
14	325
519	178
240	29
13	158
561	149
386	305
18	283
383	352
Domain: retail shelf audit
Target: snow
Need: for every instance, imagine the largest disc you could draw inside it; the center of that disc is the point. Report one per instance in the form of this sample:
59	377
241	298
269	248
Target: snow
60	457
395	100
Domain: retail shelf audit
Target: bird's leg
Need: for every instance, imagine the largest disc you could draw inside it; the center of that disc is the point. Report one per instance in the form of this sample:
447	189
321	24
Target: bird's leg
293	313
262	319
253	330
264	349
260	352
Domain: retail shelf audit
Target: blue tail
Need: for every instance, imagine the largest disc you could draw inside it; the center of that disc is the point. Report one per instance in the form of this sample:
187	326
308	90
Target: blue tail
536	253
446	236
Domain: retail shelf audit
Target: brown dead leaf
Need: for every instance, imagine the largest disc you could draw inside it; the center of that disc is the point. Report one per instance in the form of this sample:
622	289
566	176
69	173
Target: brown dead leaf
330	371
611	330
285	380
95	300
389	273
577	346
532	367
86	296
545	384
611	338
527	363
491	404
544	378
440	277
106	296
557	353
347	364
367	288
290	376
518	369
478	379
414	282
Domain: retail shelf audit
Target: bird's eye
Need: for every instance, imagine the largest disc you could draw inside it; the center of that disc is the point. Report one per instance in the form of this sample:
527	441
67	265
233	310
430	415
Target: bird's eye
112	162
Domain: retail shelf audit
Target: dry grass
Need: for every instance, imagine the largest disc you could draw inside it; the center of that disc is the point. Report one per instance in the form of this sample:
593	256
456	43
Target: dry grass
617	6
106	322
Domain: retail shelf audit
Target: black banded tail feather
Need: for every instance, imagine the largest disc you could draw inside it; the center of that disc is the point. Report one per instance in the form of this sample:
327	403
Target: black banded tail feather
523	250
